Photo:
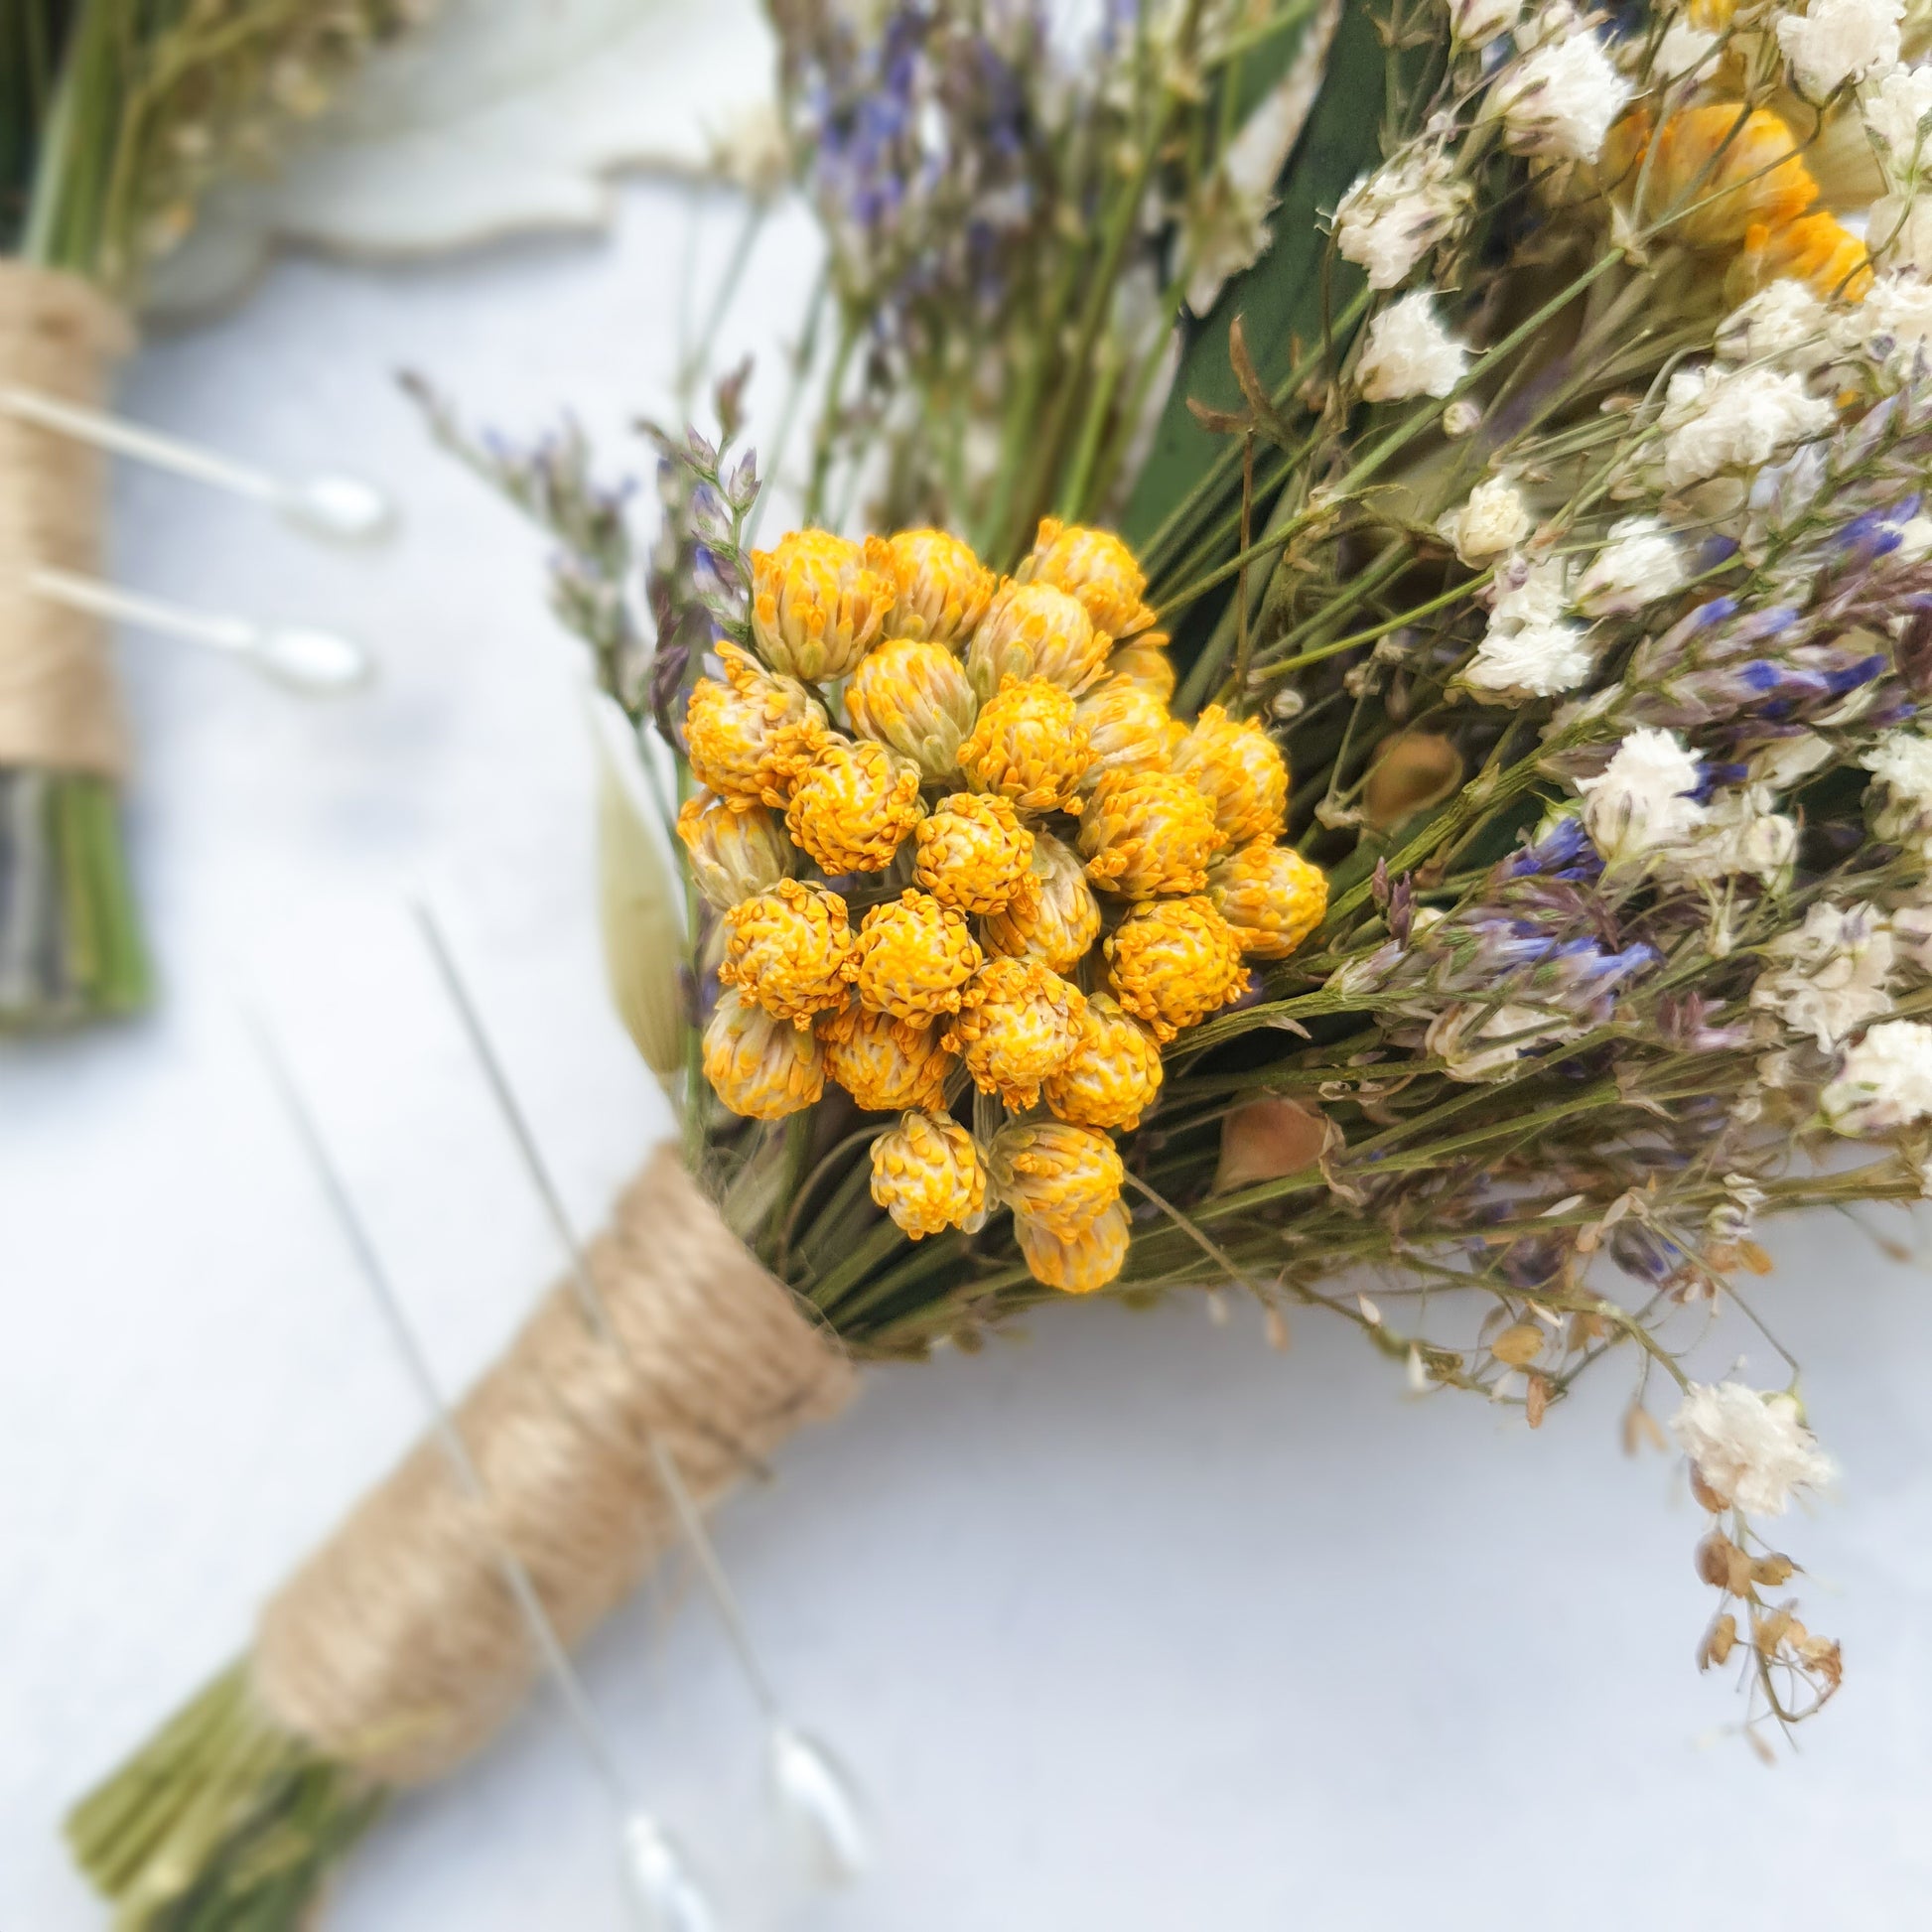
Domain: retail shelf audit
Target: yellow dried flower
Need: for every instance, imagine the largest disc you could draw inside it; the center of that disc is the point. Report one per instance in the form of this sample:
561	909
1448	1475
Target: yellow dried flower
913	957
1145	661
1127	728
1033	630
853	804
1114	1073
1271	896
884	1064
927	1173
913	696
1055	1174
1077	1262
1096	567
1028	747
1149	832
943	589
1055	918
1174	962
735	850
758	1065
750	737
1018	1020
1818	251
786	949
973	852
819	603
1241	770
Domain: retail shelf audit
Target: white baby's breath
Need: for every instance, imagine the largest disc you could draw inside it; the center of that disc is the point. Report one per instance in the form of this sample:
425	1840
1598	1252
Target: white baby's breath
1830	975
1641	562
1749	1448
1784	320
1391	218
1900	762
1640	802
1475	23
1884	1080
1743	835
1898	232
1683	50
1894	320
1410	354
1835	40
1537	659
1559	98
1717	419
1494	519
1893	107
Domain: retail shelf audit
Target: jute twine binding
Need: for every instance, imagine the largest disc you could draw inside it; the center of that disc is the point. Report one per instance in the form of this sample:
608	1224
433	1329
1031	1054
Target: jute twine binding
397	1648
58	708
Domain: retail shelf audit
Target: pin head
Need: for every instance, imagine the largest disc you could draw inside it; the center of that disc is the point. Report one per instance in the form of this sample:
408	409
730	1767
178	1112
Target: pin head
318	663
342	508
665	1896
820	1806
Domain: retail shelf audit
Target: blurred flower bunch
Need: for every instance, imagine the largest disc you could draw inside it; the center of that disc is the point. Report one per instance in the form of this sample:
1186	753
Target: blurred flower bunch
1575	567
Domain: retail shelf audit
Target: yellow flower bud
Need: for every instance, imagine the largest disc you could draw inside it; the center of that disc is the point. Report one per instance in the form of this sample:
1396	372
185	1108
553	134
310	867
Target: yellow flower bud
750	737
758	1065
1018	1020
1114	1073
927	1173
1271	896
1077	1262
819	603
974	853
1241	770
1033	630
943	589
1055	918
913	957
786	949
853	804
1028	747
1055	1174
1094	566
1174	962
913	696
1127	728
735	850
1143	660
1146	833
884	1064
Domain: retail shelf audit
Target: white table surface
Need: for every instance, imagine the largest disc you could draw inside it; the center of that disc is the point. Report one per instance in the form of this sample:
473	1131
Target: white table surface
1137	1625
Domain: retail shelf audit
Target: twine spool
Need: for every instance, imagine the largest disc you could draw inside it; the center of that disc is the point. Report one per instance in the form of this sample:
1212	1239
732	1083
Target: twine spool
397	1647
58	706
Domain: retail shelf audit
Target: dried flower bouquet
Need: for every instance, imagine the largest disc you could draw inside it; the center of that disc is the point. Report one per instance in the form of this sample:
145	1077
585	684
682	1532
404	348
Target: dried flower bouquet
114	116
1466	835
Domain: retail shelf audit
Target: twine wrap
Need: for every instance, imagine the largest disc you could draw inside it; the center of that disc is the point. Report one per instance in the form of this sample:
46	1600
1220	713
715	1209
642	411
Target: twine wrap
58	708
397	1648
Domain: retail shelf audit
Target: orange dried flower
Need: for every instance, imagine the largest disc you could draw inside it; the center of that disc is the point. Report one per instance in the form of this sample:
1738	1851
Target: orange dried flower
750	737
736	847
913	696
1271	896
973	852
1033	630
1729	168
943	589
1819	250
887	1066
1113	1074
1028	747
927	1173
758	1065
819	603
1055	1173
1146	833
1019	1022
1174	962
853	804
1127	728
1143	660
1055	917
913	957
1079	1261
1094	566
786	949
1242	772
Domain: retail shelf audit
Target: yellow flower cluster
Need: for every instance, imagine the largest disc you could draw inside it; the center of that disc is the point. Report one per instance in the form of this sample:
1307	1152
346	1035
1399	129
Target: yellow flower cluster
955	839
